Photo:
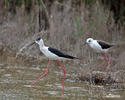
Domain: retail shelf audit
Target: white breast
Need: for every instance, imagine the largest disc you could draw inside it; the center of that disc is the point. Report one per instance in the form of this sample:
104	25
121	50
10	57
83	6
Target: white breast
48	54
95	46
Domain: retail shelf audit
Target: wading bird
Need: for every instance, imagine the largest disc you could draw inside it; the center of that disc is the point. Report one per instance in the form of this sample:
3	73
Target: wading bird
52	54
100	47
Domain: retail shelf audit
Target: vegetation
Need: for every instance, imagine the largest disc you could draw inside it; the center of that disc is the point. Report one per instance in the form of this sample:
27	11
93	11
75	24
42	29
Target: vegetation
65	24
117	6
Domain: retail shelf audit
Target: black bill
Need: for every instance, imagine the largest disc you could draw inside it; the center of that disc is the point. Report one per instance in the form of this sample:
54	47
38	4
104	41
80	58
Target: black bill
31	44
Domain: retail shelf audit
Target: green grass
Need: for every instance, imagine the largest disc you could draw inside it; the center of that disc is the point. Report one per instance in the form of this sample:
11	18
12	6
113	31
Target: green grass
79	27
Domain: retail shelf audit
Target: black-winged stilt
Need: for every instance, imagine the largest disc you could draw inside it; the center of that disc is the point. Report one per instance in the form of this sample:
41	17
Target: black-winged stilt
100	47
53	54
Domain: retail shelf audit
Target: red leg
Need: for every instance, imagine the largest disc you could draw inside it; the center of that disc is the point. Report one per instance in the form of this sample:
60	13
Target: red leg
104	61
43	74
64	74
109	63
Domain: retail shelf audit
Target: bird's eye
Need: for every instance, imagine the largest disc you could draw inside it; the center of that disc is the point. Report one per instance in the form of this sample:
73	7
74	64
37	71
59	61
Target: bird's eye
89	41
38	39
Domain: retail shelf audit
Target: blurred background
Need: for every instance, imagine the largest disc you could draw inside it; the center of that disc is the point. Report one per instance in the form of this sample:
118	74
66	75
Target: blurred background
63	24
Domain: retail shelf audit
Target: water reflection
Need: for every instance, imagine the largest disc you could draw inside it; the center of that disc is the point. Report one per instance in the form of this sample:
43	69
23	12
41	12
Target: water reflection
16	77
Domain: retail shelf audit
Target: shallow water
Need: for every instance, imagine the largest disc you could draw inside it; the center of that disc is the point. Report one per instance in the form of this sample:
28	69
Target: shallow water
16	77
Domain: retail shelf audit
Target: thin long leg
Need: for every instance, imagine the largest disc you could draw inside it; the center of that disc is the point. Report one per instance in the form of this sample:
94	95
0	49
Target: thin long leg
109	63
43	74
64	74
104	61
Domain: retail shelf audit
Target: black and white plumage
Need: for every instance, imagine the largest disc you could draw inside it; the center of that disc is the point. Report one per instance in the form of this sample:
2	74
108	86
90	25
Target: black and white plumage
101	47
52	53
98	45
60	54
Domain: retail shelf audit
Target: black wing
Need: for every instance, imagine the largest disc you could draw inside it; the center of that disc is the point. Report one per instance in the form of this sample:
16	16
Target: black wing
60	54
105	45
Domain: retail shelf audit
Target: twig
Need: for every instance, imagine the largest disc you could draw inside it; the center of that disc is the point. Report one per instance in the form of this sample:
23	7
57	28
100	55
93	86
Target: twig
44	6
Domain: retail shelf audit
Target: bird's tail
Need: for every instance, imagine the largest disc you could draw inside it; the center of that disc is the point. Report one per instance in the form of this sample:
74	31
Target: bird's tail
75	58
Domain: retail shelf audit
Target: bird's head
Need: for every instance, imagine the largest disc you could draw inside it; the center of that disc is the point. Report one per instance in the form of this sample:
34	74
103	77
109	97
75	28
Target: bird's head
89	41
39	41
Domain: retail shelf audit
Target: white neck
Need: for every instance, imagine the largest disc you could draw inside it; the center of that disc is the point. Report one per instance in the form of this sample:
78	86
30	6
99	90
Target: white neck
40	43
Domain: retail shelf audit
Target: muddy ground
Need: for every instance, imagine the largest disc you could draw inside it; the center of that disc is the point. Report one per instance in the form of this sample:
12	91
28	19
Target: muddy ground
68	29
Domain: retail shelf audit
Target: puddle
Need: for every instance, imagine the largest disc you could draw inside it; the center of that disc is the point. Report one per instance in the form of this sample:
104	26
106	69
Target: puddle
16	80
